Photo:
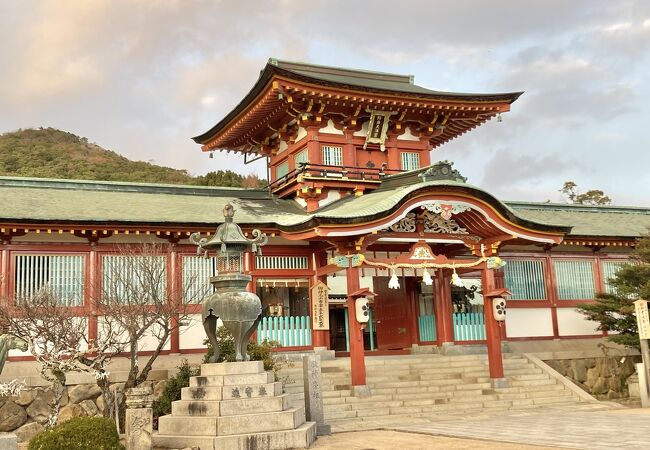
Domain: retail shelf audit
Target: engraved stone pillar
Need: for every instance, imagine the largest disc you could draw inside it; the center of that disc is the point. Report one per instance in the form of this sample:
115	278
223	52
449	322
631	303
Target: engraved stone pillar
313	393
139	418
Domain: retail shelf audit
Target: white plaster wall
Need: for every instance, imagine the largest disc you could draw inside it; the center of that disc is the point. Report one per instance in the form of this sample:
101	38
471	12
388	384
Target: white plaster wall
330	128
301	202
82	346
338	283
193	334
148	342
408	135
363	131
529	322
283	146
302	132
332	196
571	323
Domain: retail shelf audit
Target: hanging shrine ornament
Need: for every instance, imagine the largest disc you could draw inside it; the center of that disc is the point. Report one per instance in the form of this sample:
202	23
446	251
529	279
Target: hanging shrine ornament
420	257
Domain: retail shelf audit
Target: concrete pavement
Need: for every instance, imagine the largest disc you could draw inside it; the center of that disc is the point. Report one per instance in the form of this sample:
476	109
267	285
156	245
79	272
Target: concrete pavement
589	429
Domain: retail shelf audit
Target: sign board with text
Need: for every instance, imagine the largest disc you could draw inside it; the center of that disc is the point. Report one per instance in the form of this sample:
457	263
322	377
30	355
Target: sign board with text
320	312
642	318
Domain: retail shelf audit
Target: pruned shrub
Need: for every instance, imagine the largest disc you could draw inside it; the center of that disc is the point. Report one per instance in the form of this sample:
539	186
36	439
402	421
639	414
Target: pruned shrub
81	433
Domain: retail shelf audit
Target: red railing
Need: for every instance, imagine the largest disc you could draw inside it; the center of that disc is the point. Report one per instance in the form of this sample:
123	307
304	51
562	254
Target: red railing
335	173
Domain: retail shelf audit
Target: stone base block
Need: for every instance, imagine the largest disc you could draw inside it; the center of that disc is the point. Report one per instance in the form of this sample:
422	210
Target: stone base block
232	391
259	423
9	441
232	368
301	437
230	407
228	425
499	383
227	380
361	391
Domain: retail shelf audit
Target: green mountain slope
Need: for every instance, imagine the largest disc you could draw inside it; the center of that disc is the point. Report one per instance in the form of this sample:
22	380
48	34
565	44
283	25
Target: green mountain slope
52	153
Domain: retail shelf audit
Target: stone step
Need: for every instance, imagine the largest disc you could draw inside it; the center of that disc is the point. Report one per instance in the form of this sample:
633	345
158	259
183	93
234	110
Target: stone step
301	437
231	392
232	368
228	425
529	383
232	380
338	414
230	407
535	376
337	393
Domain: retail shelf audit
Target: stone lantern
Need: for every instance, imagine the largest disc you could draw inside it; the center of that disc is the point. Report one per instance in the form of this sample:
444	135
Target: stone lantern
238	309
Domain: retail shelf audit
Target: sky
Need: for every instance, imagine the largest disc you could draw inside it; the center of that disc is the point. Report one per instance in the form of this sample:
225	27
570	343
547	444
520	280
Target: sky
142	77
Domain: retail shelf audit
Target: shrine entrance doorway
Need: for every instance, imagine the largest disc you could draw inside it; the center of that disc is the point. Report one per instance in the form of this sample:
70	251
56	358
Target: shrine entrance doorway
394	313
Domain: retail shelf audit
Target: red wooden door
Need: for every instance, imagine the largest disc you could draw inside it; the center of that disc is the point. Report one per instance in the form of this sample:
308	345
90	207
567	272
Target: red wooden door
392	314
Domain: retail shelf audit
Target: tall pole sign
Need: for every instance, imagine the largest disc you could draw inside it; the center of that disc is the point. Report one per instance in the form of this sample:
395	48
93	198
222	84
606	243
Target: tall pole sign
643	325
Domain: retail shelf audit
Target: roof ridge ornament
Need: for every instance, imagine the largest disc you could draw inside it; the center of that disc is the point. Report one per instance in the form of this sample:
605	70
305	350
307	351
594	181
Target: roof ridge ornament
442	170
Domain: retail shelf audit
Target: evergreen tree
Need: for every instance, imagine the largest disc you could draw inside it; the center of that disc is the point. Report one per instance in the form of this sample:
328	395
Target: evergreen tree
615	311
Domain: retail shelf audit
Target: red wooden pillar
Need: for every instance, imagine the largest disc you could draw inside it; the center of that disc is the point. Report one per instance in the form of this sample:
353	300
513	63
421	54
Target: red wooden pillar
492	331
442	309
319	338
357	362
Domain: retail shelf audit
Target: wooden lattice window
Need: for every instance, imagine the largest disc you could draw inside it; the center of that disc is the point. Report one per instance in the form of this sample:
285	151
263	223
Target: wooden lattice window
575	279
197	271
525	279
301	158
609	271
332	156
281	170
129	278
62	275
281	262
410	161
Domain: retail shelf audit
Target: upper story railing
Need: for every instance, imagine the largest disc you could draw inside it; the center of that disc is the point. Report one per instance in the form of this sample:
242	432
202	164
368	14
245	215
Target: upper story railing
335	173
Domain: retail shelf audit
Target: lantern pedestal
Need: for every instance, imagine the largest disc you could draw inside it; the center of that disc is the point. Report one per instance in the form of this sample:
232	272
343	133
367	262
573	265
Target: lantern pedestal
234	406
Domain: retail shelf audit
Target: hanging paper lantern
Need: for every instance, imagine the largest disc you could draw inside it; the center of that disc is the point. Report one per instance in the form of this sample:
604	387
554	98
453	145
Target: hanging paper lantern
394	281
426	277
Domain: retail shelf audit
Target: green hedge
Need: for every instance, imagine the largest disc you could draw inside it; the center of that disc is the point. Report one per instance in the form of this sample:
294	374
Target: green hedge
81	433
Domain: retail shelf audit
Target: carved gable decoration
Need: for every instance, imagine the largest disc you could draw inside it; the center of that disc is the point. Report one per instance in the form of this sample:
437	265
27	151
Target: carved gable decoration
406	225
435	223
442	170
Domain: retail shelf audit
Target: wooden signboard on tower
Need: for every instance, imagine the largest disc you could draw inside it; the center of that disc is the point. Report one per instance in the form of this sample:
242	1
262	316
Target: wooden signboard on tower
320	312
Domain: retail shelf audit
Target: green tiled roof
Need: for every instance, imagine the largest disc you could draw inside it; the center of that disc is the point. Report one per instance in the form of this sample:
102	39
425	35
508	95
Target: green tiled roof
109	202
612	221
74	201
362	80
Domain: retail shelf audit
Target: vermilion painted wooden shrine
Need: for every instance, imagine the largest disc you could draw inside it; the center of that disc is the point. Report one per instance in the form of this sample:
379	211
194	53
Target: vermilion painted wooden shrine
353	202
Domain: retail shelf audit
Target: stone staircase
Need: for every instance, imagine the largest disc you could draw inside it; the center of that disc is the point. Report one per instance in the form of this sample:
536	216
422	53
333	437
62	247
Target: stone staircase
426	385
234	405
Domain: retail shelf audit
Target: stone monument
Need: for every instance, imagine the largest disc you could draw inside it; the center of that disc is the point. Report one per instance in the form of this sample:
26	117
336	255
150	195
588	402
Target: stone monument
139	418
312	376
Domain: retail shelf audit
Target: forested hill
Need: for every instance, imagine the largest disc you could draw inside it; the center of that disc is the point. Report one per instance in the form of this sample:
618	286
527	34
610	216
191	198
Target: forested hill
52	153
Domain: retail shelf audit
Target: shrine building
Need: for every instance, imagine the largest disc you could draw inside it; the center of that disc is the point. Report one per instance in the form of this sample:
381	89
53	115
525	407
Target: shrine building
355	209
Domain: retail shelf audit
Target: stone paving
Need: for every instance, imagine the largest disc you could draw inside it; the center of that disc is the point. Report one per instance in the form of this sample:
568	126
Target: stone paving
591	429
